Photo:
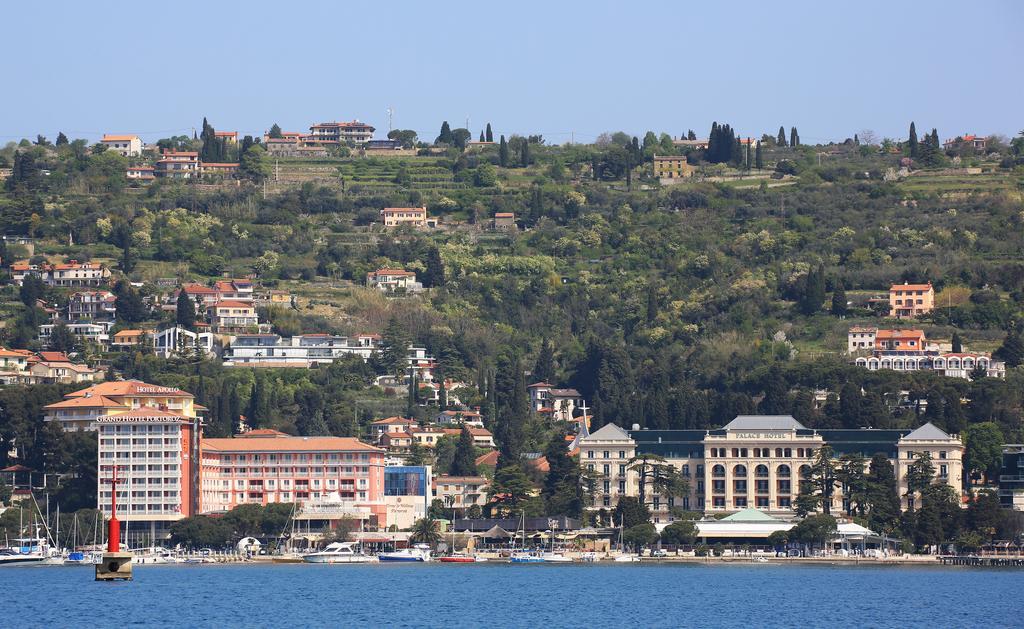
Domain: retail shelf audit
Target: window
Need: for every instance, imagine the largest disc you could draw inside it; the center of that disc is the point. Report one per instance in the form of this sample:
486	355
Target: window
718	471
739	471
622	454
718	486
735	453
686	471
943	471
606	469
778	453
762	502
607	454
622	486
739	502
942	454
590	454
761	471
622	470
739	486
784	503
605	502
783	471
762	486
718	502
788	452
607	486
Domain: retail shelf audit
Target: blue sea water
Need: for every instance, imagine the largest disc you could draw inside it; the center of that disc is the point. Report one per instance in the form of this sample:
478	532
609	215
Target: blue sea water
502	595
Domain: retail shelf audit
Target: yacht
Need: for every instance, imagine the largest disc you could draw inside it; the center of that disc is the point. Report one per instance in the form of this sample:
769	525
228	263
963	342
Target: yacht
526	557
338	552
419	552
553	557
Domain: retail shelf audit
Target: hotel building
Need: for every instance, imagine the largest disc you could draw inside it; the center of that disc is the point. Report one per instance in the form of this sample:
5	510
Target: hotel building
306	350
907	301
83	410
754	462
330	478
354	132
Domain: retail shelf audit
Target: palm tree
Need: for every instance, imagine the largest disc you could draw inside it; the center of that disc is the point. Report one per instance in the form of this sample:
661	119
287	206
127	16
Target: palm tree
425	531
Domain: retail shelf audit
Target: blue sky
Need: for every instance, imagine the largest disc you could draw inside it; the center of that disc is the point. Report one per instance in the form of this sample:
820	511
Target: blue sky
156	68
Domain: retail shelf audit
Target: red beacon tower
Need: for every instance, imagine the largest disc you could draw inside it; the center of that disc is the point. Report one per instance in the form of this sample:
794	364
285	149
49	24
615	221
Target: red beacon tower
115	565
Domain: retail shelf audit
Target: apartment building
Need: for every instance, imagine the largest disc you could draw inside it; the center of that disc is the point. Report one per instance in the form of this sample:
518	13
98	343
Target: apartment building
178	165
305	350
558	404
232	315
413	216
907	301
461	492
124	145
92	304
354	132
754	462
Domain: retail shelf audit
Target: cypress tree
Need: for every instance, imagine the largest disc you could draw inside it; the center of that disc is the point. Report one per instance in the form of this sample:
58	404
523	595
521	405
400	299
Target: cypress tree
912	141
481	136
544	368
489	136
781	141
690	135
758	159
839	300
526	153
185	311
794	137
746	161
464	463
1012	349
445	136
503	153
61	139
958	345
434	273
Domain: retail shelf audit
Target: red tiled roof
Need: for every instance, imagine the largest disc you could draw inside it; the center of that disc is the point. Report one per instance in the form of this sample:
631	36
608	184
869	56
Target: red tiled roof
927	286
287	444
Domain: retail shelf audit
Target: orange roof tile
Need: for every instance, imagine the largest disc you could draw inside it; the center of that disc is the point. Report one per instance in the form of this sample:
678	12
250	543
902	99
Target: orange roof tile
119	138
129	387
910	287
92	401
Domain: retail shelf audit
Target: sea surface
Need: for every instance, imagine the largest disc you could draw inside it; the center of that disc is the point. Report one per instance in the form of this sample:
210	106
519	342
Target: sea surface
503	595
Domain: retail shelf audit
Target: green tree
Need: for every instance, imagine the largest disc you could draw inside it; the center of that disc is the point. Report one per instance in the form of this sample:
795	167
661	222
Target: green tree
130	308
394	349
814	530
839	306
445	137
62	140
986	516
254	164
852	477
983	450
776	393
503	154
464	462
275	131
882	495
814	292
489	136
957	343
434	274
912	142
640	536
200	531
511	489
426	531
920	474
758	158
818	488
1012	349
185	311
630	512
781	140
679	533
62	339
544	368
794	137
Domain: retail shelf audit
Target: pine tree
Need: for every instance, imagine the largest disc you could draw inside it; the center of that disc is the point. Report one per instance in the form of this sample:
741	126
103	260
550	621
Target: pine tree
883	499
464	463
488	136
560	465
794	137
758	159
544	369
690	135
445	137
781	141
513	405
503	153
912	142
275	131
394	349
128	303
62	139
839	300
185	311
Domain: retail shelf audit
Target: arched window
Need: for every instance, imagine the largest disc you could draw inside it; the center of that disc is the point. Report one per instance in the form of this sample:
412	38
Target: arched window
761	471
805	471
740	471
718	471
783	471
778	454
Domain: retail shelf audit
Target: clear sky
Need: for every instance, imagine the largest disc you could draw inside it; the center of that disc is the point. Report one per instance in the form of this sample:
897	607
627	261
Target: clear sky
554	67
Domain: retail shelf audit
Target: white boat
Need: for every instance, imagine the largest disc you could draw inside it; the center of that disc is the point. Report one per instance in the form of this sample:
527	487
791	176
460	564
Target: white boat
626	559
419	552
13	556
153	555
338	552
525	557
553	557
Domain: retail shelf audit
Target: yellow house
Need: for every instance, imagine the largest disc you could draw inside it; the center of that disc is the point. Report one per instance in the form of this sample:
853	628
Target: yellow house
672	167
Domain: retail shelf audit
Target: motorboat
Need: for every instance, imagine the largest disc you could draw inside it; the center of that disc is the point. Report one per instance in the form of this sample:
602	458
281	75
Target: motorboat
13	556
419	552
338	552
154	555
626	559
526	557
460	558
553	557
